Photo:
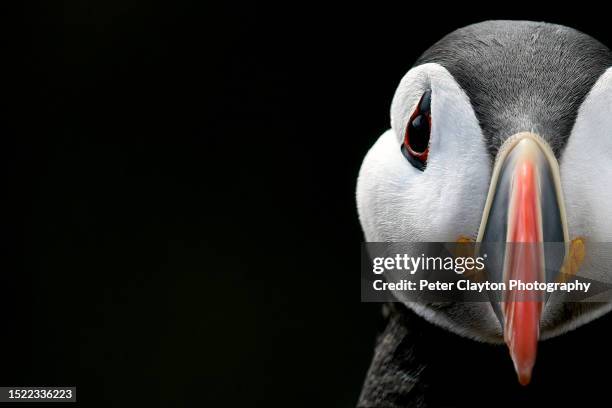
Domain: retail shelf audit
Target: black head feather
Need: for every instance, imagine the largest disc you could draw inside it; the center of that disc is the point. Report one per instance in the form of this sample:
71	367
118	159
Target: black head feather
522	76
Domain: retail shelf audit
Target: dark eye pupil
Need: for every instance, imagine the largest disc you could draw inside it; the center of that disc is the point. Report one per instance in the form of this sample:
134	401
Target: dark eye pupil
416	140
419	133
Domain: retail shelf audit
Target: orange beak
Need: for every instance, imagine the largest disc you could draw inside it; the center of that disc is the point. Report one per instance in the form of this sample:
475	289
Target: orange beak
524	211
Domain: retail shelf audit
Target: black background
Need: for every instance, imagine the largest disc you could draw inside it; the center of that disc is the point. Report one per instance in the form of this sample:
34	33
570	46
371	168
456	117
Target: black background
181	182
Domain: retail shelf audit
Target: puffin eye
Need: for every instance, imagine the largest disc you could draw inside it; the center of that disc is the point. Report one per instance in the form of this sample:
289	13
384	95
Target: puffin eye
416	139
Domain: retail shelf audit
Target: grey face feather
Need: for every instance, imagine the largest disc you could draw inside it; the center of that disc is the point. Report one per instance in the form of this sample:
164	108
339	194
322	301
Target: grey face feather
522	76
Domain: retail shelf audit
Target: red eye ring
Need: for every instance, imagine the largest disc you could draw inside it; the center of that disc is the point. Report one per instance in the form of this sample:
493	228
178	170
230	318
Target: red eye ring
416	137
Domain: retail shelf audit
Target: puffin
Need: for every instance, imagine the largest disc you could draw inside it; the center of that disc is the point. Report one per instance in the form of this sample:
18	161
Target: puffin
500	132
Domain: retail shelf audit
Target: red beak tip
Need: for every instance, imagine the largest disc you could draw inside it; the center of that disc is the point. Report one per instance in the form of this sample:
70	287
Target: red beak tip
524	377
523	370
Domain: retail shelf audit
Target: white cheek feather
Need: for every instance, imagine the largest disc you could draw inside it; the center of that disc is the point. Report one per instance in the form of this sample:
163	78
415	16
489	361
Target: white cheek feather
398	203
586	176
586	165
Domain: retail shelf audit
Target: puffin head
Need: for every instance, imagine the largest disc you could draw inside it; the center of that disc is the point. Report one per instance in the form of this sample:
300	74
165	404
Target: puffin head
501	132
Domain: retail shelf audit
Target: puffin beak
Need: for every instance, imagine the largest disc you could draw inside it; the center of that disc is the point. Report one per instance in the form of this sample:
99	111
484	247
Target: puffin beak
524	210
